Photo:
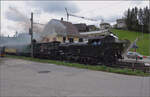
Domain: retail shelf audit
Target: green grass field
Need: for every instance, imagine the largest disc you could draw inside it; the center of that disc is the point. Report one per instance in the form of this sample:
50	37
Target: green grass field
143	43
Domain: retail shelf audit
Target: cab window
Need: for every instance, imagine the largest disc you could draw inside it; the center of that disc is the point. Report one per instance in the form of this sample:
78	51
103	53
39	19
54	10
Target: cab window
71	40
80	39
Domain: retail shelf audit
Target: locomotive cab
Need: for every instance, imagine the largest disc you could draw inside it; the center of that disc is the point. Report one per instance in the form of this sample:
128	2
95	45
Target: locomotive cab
101	39
94	42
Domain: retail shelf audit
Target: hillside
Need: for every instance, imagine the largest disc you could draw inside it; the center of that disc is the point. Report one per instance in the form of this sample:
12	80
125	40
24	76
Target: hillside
143	44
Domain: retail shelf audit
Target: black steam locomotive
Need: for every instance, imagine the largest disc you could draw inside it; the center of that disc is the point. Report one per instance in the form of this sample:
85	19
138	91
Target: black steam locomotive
104	50
101	50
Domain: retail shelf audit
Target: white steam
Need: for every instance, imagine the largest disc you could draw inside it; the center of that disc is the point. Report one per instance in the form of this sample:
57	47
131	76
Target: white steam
40	31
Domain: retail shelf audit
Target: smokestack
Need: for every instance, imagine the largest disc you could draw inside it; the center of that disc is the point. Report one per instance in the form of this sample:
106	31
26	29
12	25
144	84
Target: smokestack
61	19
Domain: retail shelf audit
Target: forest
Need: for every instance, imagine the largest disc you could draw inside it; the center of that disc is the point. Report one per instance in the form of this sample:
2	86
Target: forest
138	19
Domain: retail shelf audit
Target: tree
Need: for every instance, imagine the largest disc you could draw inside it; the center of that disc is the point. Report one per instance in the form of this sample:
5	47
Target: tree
136	18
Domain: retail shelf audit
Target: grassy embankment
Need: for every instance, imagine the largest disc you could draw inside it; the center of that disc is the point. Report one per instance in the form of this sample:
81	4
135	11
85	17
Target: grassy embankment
143	43
90	67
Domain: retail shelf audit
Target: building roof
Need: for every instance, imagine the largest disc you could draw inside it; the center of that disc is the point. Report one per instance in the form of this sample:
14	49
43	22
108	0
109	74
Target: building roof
81	27
59	27
70	28
91	26
104	24
118	20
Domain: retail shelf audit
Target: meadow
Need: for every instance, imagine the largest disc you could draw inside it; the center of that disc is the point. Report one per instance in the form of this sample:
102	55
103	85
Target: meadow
143	43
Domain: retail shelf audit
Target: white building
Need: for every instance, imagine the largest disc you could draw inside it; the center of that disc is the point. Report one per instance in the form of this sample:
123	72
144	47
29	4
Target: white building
121	24
105	26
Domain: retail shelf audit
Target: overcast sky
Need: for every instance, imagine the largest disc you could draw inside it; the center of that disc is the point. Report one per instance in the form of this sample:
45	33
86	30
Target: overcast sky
15	14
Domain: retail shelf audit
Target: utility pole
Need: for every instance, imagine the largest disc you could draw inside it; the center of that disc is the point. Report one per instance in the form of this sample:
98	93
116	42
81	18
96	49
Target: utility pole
149	38
0	37
31	33
142	38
